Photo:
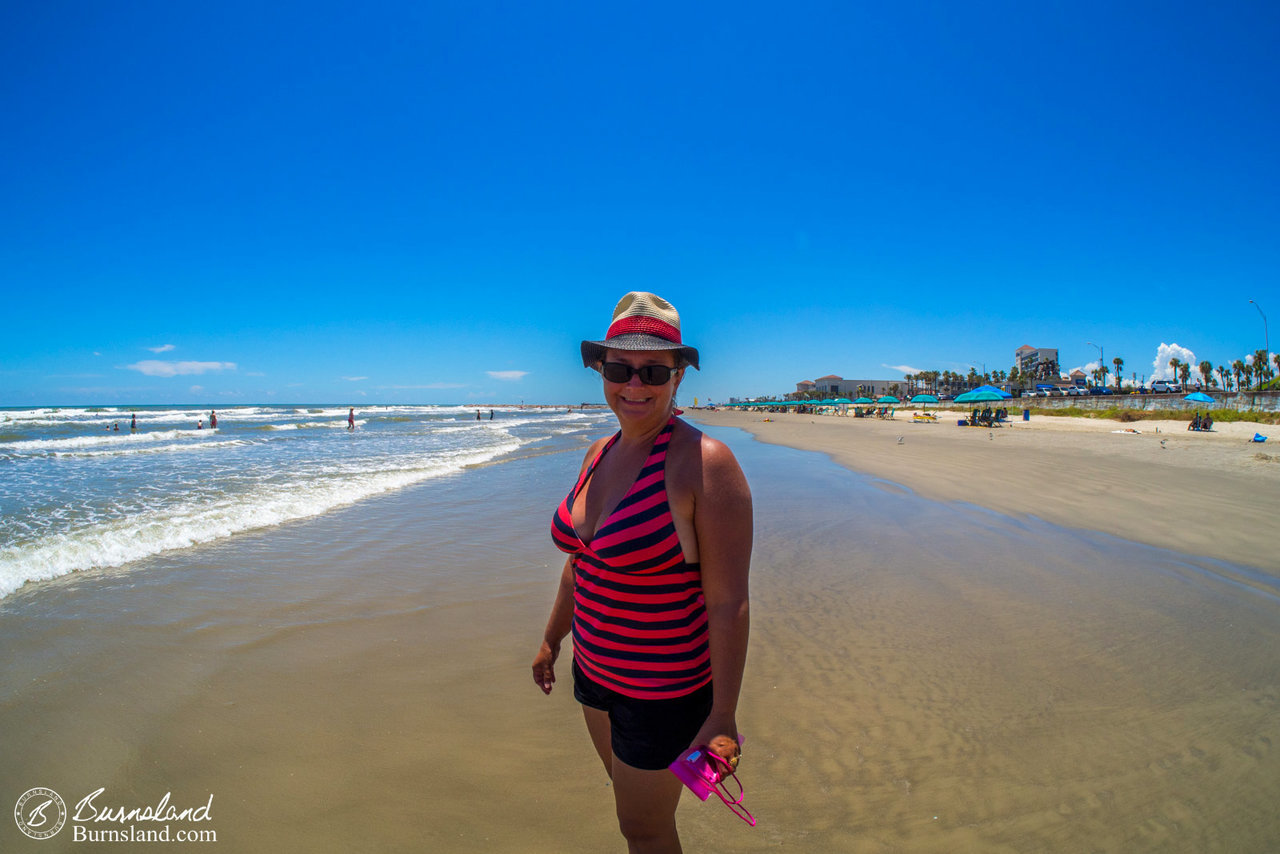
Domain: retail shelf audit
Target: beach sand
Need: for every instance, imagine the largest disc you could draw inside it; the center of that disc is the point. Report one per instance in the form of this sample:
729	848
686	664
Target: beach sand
1214	494
924	675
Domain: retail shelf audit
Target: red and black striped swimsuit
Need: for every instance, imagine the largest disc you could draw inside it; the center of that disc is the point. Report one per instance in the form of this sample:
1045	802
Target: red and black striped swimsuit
639	618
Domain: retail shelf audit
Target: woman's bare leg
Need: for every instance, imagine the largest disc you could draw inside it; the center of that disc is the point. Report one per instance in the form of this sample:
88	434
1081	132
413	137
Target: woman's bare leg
645	800
601	736
646	803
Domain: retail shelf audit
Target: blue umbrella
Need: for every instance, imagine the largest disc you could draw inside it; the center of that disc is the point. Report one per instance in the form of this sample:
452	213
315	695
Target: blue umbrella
979	395
1004	395
1199	397
888	398
924	398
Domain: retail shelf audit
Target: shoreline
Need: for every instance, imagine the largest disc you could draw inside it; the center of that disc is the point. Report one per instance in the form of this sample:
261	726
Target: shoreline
1212	494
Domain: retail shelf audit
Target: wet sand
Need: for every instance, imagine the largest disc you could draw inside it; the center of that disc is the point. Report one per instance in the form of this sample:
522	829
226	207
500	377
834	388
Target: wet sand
923	676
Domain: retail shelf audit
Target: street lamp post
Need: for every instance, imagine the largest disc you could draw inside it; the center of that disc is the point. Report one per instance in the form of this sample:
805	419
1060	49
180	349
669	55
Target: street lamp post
1102	359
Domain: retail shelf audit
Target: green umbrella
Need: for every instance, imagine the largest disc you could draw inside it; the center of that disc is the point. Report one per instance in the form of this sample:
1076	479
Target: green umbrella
864	400
924	398
843	400
888	398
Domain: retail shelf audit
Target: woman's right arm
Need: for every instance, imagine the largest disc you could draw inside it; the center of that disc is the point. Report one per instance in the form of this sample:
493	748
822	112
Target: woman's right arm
561	621
558	625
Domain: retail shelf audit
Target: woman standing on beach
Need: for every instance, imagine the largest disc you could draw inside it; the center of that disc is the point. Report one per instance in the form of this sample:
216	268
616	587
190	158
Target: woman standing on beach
658	532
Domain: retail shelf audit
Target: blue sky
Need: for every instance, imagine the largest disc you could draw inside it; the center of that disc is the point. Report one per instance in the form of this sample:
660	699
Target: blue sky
434	202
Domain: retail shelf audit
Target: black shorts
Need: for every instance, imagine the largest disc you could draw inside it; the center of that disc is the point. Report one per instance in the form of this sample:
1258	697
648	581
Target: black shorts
646	734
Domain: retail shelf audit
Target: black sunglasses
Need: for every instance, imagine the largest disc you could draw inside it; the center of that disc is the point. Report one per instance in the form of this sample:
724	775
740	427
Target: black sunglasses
617	372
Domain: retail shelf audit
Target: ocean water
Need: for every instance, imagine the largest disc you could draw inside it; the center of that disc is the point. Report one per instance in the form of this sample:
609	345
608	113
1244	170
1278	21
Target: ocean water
76	493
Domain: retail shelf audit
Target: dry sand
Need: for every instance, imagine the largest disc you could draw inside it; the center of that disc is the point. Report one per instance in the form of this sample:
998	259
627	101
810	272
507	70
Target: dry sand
1212	494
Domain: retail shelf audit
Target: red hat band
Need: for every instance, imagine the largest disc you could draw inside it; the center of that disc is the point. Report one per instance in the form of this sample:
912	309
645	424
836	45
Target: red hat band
645	326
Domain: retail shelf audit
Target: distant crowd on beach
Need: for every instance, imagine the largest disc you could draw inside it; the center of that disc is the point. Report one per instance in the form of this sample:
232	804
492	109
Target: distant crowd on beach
133	423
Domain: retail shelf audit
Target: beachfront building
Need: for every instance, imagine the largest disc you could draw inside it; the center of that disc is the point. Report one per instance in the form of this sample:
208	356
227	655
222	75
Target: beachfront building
1039	362
1079	378
836	386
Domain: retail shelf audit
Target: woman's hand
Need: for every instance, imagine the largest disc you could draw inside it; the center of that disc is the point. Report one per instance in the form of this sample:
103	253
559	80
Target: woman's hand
544	672
713	734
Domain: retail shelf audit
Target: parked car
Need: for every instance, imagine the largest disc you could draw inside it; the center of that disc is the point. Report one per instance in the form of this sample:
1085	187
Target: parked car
1101	390
1077	391
1162	387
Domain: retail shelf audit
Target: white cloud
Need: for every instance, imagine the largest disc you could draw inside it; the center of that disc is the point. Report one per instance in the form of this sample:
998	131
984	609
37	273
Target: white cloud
157	368
902	369
96	353
163	348
353	379
197	389
508	376
1160	369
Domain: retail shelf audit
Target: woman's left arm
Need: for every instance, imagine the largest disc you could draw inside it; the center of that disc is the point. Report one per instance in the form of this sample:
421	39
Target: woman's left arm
722	520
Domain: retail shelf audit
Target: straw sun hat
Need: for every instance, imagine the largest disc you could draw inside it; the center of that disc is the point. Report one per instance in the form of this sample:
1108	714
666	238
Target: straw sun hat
641	321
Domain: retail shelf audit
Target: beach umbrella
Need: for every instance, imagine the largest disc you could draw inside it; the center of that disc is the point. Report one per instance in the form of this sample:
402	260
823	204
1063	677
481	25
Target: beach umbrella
864	400
1004	395
924	398
1198	397
980	396
843	400
888	398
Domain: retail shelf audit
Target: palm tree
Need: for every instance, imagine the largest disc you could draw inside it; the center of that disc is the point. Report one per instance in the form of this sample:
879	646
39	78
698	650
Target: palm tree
1119	363
1275	357
1261	367
1223	375
1237	370
1206	371
1174	364
1184	373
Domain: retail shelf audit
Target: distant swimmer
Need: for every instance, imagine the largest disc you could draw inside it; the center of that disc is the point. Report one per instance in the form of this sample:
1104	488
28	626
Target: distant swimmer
490	414
351	418
213	420
117	427
200	425
133	425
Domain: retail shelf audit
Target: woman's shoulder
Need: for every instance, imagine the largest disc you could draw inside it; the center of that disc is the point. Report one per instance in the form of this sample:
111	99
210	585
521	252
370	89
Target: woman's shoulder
593	451
691	445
